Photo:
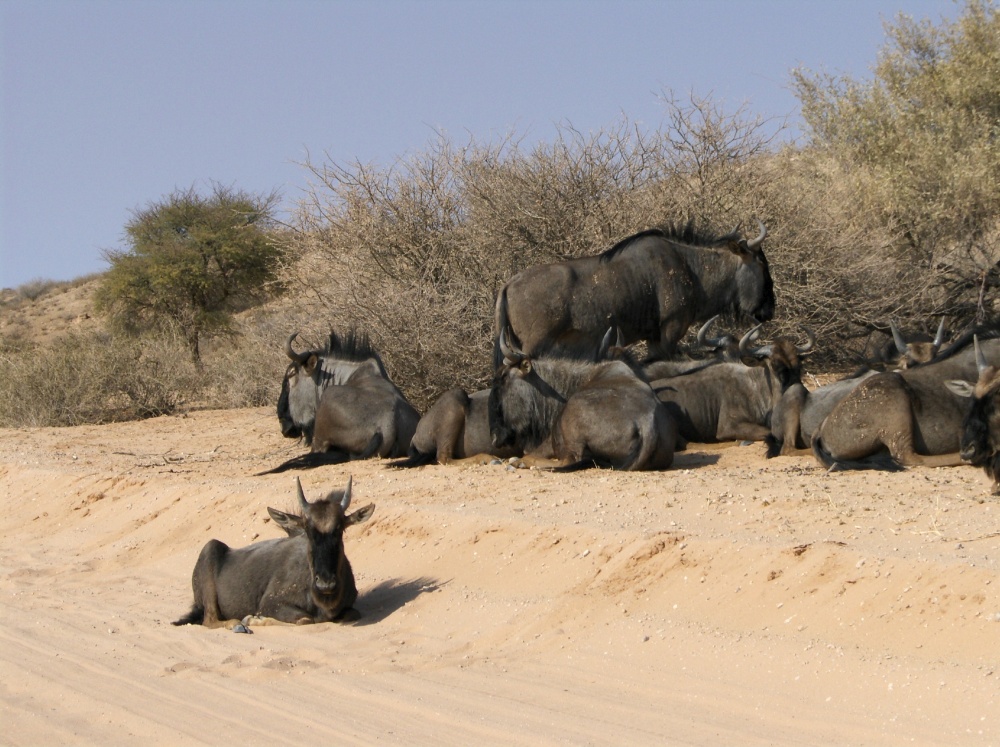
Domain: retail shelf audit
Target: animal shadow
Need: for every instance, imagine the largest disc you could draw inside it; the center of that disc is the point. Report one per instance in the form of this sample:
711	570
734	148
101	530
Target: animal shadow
382	600
694	459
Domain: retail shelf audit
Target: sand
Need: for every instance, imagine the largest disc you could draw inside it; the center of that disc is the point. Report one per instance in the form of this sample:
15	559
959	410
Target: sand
731	600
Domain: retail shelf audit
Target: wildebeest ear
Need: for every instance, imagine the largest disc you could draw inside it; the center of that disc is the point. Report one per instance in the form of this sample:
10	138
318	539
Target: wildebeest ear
310	364
362	514
961	388
291	523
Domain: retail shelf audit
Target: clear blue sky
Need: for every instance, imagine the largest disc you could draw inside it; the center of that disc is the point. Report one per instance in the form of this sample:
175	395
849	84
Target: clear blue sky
109	105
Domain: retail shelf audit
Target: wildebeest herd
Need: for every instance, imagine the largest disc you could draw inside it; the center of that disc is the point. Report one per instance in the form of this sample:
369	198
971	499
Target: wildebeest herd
567	393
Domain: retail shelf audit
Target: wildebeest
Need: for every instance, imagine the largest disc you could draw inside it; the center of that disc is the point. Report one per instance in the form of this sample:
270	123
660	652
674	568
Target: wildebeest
979	443
653	285
904	417
725	347
570	413
798	414
733	401
906	349
302	578
919	348
457	426
341	401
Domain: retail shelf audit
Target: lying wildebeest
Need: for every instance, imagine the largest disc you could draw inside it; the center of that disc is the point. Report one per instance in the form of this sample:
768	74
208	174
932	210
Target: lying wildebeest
905	349
905	418
733	401
568	413
341	401
653	285
916	349
302	578
799	412
725	347
979	443
455	427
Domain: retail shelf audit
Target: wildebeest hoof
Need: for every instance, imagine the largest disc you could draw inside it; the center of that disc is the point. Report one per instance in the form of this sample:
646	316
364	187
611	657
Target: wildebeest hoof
495	461
241	628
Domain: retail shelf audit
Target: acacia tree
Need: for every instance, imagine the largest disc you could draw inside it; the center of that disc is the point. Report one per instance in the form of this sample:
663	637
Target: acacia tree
923	137
192	260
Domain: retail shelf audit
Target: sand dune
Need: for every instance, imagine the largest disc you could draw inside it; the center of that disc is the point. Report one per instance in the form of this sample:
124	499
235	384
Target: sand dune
731	600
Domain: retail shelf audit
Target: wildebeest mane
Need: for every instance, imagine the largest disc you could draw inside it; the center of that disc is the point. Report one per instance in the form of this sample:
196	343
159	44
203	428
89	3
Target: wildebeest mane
352	346
684	233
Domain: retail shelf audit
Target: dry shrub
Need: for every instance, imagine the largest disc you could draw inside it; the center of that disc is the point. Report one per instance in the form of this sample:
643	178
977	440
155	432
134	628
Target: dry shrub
415	254
90	378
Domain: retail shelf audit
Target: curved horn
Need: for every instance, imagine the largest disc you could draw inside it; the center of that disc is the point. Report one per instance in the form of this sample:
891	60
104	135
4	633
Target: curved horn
760	239
713	343
898	339
939	337
613	343
981	363
345	500
810	342
303	503
750	337
297	357
509	352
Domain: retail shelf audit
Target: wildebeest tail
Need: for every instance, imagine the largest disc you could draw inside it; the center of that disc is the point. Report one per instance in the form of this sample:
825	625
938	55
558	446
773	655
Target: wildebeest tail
195	617
640	450
500	321
308	461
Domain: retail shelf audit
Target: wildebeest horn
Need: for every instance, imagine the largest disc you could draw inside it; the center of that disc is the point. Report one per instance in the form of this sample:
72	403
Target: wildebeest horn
760	239
981	363
939	337
607	343
748	338
303	503
297	357
703	339
345	501
510	353
897	338
810	342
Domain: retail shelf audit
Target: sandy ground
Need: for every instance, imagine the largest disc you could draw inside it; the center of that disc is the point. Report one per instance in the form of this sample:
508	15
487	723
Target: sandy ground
731	600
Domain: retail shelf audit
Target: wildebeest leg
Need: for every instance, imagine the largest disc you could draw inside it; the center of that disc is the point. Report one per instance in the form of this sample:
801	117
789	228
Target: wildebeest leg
477	459
262	620
911	458
534	461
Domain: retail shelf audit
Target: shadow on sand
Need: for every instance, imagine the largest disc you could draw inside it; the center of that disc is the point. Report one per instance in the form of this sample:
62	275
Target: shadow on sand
694	459
382	600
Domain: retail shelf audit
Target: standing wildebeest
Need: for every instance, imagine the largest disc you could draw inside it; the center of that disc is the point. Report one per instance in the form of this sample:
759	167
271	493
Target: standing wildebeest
653	285
457	426
732	401
980	440
570	413
302	578
908	415
341	401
